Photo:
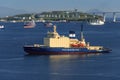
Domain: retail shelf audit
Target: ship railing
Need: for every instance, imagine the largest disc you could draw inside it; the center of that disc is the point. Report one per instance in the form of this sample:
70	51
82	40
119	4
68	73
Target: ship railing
95	47
38	45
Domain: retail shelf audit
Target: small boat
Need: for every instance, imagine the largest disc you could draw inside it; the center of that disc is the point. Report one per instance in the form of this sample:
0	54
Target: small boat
2	27
96	22
55	44
48	24
30	24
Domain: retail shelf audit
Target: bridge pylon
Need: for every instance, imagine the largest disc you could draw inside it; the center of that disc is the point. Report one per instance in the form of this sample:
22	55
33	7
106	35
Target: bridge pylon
114	17
104	17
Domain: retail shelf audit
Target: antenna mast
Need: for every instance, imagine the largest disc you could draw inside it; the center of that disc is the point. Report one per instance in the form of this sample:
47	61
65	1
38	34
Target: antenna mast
82	37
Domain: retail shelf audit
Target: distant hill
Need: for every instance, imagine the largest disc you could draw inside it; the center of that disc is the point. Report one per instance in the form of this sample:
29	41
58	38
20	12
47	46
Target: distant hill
5	11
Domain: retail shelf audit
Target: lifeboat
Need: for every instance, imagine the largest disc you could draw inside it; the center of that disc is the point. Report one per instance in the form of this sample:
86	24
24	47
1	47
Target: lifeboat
78	45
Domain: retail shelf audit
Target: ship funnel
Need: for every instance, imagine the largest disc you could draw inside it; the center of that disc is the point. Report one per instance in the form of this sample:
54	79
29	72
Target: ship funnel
72	34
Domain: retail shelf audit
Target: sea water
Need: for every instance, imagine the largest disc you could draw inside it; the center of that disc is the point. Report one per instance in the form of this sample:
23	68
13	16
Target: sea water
15	65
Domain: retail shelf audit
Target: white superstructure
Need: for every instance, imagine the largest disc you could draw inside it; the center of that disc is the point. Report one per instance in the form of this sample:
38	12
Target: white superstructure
96	22
1	26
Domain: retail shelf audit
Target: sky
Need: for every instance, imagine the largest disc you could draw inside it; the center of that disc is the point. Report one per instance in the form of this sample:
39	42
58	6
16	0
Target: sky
50	5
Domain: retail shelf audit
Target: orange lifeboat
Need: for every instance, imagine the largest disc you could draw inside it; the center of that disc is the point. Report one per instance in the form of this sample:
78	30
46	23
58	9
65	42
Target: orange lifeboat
81	45
74	45
78	45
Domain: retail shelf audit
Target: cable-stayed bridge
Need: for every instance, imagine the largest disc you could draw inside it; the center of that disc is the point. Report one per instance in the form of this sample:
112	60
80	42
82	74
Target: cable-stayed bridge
104	14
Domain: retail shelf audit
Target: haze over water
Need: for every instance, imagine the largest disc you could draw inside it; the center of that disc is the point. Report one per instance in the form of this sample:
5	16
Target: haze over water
15	65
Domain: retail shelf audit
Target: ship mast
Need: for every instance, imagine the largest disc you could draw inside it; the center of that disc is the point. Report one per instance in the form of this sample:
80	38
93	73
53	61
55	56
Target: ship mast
81	33
54	29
